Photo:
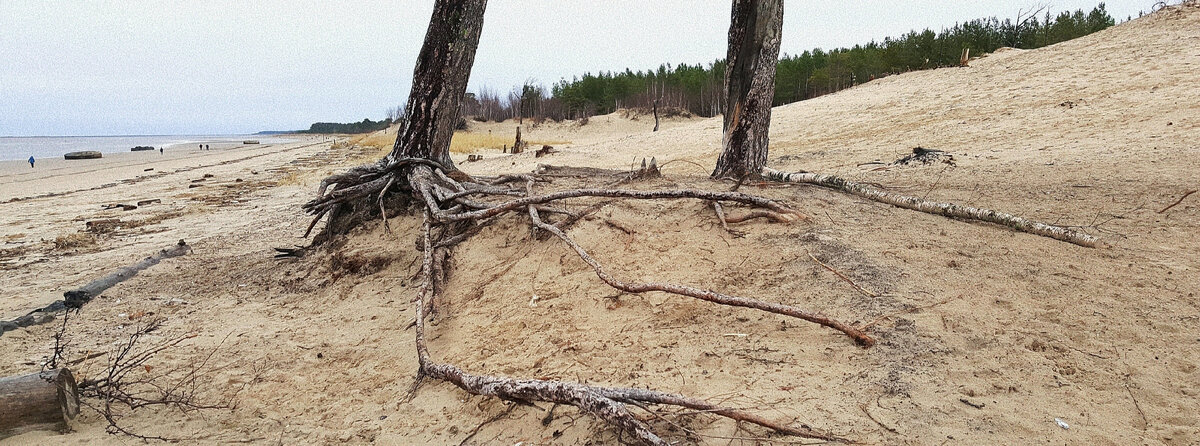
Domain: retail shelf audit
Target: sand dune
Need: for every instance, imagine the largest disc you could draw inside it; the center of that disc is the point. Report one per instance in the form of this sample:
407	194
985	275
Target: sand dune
985	336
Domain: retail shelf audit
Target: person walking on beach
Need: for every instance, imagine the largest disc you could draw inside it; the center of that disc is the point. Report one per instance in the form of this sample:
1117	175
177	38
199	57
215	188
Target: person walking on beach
31	161
160	151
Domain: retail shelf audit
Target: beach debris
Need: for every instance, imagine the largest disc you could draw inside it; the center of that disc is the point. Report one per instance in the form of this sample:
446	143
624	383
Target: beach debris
141	149
150	201
37	401
208	175
250	141
474	158
1062	424
545	150
83	155
147	169
921	155
103	225
290	253
972	404
76	298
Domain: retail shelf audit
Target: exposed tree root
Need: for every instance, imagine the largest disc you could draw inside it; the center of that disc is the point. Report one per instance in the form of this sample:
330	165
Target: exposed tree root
936	208
606	403
456	209
712	296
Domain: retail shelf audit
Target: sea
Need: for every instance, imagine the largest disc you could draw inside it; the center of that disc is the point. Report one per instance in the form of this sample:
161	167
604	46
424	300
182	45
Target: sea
40	147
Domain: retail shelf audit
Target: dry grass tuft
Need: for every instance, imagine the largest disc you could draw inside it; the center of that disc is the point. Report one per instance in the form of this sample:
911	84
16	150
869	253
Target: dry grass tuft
75	241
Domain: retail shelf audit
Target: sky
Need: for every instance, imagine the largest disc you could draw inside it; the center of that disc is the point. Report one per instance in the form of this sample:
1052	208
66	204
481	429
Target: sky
142	67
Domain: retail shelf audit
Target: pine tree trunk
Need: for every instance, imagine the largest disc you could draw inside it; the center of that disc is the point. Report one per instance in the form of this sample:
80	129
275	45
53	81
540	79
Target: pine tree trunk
440	81
754	37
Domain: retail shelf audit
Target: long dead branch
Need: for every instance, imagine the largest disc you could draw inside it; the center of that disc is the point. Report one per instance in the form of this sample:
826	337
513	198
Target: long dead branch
76	298
711	296
932	207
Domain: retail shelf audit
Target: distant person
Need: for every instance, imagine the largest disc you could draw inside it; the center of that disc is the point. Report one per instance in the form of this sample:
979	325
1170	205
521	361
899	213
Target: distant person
206	147
160	151
31	161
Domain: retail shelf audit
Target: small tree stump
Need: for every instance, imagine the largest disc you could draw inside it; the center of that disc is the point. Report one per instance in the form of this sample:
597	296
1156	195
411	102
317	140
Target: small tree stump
37	401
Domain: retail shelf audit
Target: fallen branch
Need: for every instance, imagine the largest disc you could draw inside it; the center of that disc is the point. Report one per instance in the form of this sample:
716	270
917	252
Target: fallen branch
1180	200
75	299
843	277
931	207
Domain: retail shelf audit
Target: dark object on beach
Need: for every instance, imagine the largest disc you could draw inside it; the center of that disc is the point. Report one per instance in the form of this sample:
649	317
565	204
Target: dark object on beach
921	155
37	401
147	169
250	141
150	201
545	150
141	149
84	155
160	151
75	299
31	160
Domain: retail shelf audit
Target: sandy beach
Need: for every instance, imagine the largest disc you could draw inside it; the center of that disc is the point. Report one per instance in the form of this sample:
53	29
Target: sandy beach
986	336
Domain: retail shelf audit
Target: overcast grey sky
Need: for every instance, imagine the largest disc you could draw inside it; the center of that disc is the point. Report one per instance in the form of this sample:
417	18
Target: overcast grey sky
215	67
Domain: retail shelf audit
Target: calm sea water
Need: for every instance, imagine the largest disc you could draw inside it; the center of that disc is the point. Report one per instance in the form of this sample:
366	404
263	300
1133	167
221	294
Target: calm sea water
21	147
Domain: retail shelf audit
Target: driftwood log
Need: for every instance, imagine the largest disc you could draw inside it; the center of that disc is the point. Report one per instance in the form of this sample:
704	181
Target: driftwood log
932	207
79	296
37	401
76	298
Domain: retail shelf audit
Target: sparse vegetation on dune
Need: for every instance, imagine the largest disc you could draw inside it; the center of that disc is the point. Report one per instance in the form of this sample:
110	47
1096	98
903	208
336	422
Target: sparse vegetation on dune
463	142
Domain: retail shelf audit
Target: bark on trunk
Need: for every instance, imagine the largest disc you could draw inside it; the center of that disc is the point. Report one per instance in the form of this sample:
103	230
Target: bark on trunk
440	81
37	401
754	36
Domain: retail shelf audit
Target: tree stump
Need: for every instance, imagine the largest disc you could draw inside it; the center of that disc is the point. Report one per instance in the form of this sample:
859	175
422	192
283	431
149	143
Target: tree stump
37	401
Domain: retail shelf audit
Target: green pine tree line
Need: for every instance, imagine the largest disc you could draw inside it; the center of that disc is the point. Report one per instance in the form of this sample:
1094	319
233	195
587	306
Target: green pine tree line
698	88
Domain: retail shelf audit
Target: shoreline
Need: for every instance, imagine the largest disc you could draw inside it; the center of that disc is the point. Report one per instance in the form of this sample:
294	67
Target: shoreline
19	148
52	176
